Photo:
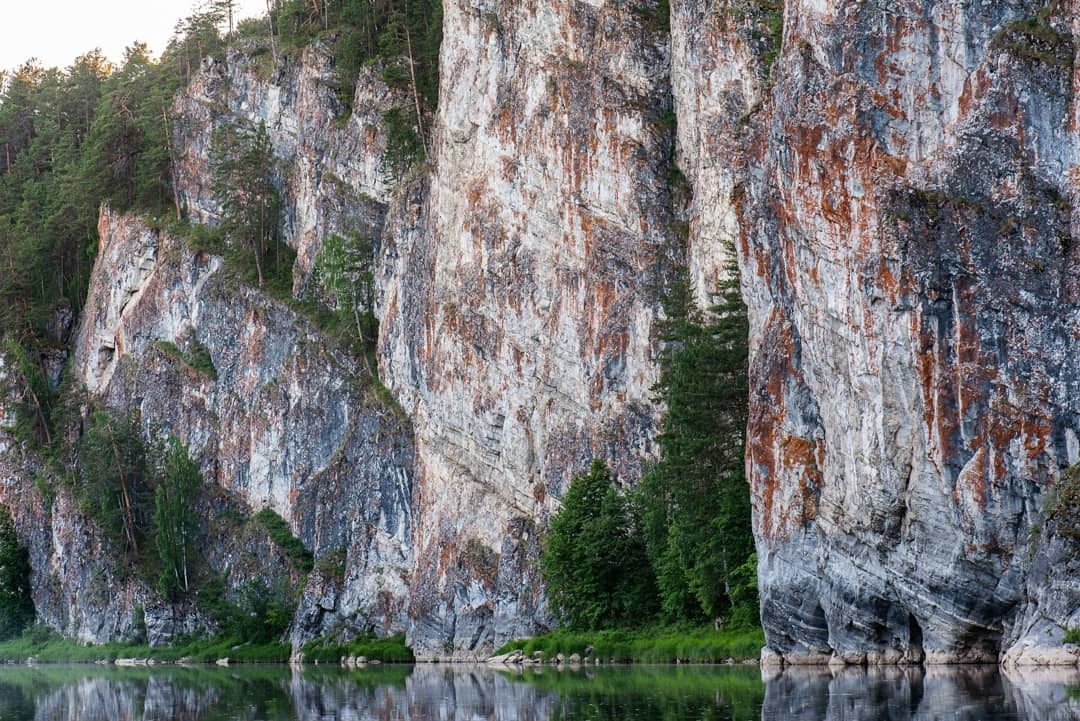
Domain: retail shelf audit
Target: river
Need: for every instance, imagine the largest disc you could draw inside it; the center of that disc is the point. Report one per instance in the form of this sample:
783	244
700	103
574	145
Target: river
463	693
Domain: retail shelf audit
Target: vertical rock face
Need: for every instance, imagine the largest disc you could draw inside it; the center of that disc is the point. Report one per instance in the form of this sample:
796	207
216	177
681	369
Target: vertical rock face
900	186
518	277
282	420
518	300
909	236
330	162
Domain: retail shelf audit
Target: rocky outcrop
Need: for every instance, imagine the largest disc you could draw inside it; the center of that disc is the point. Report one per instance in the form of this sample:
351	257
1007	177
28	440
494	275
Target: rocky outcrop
909	229
330	172
517	283
282	419
899	181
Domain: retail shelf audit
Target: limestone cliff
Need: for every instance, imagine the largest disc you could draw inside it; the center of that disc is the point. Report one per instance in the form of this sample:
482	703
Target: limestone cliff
908	233
900	181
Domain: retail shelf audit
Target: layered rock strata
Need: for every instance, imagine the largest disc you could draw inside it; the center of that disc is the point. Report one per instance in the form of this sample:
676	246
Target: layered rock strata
899	181
909	229
282	420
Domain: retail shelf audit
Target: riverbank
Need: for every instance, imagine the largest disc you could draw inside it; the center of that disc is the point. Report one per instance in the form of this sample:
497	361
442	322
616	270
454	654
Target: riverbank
45	646
647	645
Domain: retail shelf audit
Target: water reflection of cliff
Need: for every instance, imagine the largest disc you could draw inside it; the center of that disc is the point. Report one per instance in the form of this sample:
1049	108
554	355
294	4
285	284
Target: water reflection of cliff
456	693
965	693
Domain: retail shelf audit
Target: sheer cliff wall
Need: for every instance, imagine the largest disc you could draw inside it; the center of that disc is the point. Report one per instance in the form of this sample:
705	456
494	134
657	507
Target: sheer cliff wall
899	181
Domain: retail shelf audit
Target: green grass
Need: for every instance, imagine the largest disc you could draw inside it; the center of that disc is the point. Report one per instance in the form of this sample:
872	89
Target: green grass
649	645
198	359
46	646
1072	635
283	538
390	650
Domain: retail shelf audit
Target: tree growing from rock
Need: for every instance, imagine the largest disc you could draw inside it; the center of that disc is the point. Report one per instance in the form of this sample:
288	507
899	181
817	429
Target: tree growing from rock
243	165
175	520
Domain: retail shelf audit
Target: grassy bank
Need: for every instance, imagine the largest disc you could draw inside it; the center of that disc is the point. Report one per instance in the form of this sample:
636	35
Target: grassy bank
48	647
45	646
649	645
390	650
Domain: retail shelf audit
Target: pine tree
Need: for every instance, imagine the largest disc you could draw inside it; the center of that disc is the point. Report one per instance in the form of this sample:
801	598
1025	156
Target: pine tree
114	484
243	166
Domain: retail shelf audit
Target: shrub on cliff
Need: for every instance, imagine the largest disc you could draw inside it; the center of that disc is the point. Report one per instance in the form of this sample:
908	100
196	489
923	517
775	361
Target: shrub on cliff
594	560
16	605
114	484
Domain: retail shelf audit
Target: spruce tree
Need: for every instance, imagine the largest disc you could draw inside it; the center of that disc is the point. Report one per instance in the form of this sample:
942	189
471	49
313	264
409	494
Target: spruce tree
16	604
594	561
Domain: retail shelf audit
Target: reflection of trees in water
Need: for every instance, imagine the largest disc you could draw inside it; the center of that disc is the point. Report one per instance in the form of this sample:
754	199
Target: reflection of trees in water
456	693
15	702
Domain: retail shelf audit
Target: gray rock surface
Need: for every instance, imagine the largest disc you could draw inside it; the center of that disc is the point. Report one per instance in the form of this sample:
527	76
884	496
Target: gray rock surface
908	234
900	186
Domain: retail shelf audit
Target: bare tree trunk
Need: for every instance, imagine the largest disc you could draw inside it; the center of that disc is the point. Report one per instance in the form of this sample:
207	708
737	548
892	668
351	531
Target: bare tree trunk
125	495
172	162
415	89
270	22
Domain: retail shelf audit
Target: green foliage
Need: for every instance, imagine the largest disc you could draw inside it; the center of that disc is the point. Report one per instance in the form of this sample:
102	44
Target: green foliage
283	538
402	37
344	268
242	162
1072	635
35	398
327	650
69	140
16	605
656	644
594	559
46	646
695	500
176	524
656	14
113	480
332	565
1062	507
403	146
257	612
1034	38
197	358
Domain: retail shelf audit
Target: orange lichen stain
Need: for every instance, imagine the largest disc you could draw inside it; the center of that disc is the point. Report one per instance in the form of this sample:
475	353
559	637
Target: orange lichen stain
972	481
776	460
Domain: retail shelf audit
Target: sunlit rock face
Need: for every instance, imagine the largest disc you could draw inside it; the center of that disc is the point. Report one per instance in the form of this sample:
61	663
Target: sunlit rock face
519	295
909	235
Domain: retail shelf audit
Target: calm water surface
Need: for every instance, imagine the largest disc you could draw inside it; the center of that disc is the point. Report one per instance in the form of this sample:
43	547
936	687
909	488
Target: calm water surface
445	693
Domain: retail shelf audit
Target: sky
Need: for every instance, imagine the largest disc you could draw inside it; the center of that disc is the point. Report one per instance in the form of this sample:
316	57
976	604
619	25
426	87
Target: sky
58	31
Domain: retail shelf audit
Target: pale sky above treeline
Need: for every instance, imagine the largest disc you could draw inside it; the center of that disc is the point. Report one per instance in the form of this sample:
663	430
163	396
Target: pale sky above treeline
58	31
